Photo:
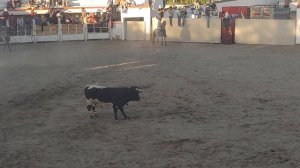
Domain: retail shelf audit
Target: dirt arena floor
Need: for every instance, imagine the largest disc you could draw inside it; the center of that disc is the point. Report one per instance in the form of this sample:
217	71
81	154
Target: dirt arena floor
202	106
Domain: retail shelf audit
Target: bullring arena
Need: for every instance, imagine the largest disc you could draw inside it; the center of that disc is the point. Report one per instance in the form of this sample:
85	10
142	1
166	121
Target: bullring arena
203	105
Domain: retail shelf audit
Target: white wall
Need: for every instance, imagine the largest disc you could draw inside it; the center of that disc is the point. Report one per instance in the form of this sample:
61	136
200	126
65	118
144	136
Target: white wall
265	31
137	12
246	3
298	27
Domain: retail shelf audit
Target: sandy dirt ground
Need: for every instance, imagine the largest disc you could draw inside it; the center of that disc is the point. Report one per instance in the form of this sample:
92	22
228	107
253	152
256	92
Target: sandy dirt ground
203	105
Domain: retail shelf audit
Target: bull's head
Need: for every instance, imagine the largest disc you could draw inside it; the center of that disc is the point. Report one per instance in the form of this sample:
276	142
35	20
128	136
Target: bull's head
136	93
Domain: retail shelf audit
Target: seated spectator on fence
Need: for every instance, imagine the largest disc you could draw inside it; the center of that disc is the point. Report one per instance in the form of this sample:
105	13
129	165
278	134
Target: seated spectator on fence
213	9
207	15
83	16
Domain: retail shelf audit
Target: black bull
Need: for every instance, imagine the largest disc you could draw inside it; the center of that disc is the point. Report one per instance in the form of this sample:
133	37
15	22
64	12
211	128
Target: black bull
117	96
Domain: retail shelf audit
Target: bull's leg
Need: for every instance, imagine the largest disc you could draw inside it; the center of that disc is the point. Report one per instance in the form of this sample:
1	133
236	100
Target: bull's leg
115	111
94	110
9	47
153	38
157	41
89	107
122	110
165	41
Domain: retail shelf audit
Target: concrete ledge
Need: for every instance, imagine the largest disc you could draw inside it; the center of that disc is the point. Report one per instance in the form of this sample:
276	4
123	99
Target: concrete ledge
47	38
73	37
94	36
21	39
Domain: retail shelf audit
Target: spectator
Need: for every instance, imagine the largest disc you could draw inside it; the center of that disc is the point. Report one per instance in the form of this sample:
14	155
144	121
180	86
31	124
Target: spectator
83	16
5	15
44	22
171	15
207	15
92	18
183	15
178	14
213	8
160	13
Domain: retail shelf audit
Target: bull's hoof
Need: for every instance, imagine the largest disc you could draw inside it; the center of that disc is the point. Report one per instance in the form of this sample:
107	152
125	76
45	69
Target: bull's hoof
92	116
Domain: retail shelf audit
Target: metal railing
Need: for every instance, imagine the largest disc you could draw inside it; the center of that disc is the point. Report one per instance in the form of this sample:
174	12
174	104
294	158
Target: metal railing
69	29
97	28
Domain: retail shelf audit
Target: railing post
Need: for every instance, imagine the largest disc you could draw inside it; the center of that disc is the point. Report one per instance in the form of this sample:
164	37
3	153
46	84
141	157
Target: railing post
7	23
85	32
59	30
34	31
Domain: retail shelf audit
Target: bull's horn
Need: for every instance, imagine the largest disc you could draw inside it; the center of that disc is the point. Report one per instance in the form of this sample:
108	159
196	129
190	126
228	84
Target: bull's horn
139	90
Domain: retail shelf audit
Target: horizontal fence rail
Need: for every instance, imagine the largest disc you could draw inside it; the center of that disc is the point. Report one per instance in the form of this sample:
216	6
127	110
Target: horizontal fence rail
57	32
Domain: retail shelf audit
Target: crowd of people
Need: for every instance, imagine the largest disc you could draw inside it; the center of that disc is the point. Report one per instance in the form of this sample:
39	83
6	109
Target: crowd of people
181	12
47	3
12	4
37	4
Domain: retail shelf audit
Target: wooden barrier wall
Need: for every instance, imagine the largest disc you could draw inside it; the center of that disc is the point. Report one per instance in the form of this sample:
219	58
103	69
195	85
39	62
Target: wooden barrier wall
194	30
265	31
